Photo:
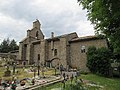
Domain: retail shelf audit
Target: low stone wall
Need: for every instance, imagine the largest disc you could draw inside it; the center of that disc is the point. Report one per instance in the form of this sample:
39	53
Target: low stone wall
38	85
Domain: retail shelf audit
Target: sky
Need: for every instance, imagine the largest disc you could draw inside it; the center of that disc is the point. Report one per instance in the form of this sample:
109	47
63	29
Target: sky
58	16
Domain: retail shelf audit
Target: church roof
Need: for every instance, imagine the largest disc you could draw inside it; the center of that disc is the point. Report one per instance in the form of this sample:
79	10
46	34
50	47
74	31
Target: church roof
27	38
57	37
23	39
85	38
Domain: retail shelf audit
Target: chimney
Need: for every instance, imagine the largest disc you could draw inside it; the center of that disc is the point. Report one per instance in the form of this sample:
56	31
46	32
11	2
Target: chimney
28	33
52	43
52	34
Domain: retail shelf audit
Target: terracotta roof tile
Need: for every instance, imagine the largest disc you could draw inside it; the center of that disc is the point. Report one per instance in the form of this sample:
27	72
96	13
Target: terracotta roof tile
84	38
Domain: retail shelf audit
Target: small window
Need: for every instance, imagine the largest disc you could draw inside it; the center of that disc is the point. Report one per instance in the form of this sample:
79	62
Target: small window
83	49
38	56
37	34
55	52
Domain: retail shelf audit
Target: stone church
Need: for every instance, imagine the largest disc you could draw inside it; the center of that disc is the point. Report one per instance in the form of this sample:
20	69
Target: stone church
68	50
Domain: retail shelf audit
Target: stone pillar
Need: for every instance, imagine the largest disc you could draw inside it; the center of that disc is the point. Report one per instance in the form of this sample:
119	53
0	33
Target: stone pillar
42	53
63	52
31	61
52	44
28	53
20	51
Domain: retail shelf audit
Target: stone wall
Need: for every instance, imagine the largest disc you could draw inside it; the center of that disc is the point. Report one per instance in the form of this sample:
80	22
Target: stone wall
79	59
50	51
36	51
34	31
63	52
42	51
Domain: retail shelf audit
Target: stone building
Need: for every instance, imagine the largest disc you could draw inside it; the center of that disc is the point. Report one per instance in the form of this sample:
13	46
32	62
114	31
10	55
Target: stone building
68	50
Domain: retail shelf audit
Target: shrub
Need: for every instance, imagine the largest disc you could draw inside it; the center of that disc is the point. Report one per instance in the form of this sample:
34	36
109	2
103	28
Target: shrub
98	60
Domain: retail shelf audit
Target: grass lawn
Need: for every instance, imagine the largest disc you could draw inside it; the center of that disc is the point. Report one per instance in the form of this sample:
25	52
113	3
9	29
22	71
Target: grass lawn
106	83
23	74
20	75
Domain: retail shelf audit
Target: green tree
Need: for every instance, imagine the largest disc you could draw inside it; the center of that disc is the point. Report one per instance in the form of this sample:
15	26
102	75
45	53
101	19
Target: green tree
4	47
7	46
13	45
105	16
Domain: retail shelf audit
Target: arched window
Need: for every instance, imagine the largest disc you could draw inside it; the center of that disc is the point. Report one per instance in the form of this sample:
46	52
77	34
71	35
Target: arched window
37	34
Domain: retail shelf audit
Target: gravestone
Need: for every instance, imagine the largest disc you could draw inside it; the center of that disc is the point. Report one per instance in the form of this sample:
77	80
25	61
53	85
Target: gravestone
7	72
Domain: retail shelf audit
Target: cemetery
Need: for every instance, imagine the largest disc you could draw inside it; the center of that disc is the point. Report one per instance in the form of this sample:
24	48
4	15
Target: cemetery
16	77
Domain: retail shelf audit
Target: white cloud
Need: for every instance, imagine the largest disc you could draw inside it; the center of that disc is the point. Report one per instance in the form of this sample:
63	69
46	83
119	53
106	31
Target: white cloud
9	27
60	16
84	28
